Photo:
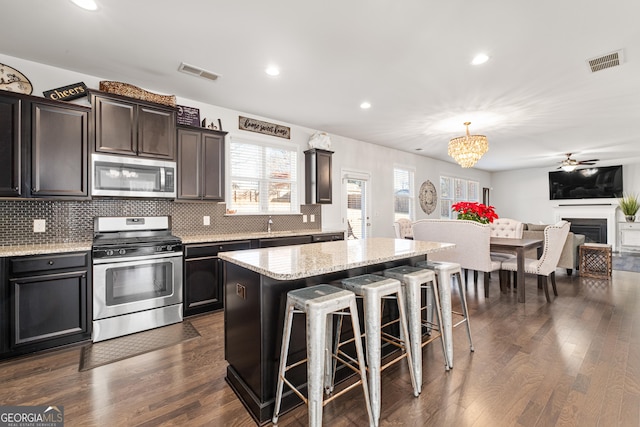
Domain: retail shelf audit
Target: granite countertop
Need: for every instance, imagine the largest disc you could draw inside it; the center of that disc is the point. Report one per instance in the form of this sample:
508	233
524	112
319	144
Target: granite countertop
299	261
203	238
45	248
50	248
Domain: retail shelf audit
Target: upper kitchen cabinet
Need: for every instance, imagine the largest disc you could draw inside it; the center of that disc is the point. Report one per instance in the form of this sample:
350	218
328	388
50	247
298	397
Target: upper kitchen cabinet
318	183
59	159
43	147
130	127
200	164
10	146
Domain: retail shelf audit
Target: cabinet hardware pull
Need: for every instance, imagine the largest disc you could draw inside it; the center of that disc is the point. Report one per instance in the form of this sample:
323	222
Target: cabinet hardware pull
50	263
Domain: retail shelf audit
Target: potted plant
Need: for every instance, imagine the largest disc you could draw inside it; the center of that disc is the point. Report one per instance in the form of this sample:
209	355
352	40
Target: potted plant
629	206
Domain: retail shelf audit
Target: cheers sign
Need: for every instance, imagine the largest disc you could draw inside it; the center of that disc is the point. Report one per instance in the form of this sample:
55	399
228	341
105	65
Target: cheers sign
258	126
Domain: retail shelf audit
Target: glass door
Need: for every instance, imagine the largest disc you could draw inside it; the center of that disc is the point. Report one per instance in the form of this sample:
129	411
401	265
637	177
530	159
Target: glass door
355	190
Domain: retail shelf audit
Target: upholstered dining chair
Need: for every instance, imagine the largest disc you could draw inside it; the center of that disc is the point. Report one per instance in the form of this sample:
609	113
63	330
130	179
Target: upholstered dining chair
402	227
545	267
471	239
505	227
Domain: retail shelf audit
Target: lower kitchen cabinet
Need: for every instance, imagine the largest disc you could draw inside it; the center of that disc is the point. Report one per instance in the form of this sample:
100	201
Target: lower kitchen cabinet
203	279
284	241
328	237
47	301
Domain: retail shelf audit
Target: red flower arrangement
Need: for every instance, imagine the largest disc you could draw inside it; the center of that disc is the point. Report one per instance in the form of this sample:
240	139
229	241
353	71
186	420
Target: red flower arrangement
475	211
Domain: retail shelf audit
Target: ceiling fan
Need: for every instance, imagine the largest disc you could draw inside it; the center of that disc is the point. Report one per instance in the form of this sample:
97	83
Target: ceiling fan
570	164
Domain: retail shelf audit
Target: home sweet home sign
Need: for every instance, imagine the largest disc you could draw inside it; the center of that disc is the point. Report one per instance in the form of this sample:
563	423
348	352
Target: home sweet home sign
258	126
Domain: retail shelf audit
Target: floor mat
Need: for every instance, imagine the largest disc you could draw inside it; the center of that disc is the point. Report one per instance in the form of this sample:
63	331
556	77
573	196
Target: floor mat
105	352
626	262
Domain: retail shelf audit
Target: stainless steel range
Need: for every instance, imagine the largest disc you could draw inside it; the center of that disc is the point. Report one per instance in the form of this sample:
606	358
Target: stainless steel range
137	275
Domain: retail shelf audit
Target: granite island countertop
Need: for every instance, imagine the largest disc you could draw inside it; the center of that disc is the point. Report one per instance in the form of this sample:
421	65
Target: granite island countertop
299	261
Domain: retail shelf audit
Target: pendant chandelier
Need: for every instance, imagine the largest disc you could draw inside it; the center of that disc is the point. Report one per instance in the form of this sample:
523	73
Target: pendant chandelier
467	150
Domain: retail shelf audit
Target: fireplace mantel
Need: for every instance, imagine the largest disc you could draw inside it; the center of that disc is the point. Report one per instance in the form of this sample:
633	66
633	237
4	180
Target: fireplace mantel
602	211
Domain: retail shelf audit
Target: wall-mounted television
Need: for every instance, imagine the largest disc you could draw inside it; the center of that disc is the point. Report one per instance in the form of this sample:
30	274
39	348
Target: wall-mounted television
588	183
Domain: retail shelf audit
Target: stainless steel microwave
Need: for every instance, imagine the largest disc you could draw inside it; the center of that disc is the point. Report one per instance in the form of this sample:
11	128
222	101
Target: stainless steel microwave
132	177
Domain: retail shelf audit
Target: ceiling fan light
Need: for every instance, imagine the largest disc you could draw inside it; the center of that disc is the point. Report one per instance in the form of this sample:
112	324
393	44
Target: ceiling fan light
569	168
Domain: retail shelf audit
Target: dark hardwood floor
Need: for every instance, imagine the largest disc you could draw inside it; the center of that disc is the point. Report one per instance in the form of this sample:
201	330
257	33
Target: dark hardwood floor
574	361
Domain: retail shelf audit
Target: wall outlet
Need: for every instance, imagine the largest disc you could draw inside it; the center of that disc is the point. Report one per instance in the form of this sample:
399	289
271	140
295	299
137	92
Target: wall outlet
313	218
304	218
206	220
39	225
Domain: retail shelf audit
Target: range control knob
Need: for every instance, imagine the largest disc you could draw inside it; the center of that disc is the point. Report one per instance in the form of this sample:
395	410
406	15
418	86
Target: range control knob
109	252
122	252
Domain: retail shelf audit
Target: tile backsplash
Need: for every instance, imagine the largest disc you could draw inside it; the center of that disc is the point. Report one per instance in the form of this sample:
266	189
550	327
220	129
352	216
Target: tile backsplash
72	221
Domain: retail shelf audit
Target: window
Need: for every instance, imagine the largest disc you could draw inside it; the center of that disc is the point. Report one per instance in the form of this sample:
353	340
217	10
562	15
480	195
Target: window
403	199
453	190
263	177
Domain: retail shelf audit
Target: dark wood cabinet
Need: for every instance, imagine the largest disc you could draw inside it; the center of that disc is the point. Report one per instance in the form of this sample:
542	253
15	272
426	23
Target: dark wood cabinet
318	181
59	158
48	301
200	164
126	126
284	241
203	279
10	146
328	237
43	148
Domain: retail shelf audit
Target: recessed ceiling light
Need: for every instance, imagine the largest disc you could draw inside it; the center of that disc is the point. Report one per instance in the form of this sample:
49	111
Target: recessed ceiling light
86	4
272	71
365	105
480	58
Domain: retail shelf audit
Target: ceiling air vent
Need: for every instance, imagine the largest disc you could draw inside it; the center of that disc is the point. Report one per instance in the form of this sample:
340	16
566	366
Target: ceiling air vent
609	60
197	71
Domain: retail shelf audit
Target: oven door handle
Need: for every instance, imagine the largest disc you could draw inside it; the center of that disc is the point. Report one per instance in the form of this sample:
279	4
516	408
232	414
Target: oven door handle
98	261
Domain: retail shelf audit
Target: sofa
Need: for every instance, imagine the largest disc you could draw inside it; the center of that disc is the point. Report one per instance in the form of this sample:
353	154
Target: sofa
569	257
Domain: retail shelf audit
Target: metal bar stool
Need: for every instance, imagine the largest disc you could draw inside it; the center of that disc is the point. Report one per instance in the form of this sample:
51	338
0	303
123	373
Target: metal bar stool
320	303
373	289
444	272
414	280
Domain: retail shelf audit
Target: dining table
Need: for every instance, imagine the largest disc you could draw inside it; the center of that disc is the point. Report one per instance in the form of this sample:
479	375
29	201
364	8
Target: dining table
517	247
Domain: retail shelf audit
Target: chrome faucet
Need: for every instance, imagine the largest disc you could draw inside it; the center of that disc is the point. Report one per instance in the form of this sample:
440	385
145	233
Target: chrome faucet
269	223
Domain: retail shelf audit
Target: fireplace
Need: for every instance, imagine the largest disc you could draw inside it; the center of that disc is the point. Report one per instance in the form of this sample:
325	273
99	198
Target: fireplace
602	214
594	229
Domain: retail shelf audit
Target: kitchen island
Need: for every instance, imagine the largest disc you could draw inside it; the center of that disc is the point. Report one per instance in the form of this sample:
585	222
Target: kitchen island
256	286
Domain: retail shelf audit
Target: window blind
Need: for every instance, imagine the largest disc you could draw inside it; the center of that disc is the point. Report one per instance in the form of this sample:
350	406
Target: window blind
263	178
403	193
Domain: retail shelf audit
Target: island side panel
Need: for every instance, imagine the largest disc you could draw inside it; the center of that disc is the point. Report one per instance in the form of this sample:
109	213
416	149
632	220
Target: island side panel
242	333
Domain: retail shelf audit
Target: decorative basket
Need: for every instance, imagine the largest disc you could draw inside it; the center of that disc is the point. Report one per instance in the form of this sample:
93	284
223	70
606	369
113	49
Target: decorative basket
135	92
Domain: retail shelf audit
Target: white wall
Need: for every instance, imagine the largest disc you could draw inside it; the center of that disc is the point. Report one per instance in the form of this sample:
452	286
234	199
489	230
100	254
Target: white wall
351	154
378	162
524	194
